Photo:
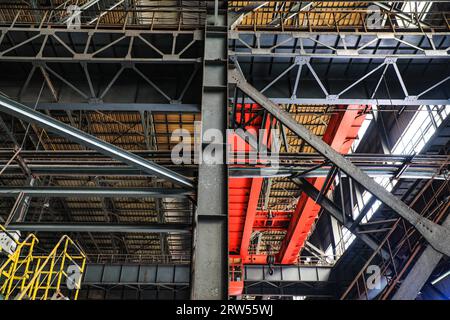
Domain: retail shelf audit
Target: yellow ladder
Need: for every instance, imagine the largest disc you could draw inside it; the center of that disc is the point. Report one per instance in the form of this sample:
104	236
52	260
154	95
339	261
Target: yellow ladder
17	268
31	276
65	262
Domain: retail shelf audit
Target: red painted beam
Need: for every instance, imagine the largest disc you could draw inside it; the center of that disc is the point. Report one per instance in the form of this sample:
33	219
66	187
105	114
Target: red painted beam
341	132
243	192
250	215
255	192
277	220
255	259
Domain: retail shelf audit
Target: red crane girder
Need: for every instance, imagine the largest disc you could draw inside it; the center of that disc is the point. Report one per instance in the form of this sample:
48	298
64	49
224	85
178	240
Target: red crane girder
341	131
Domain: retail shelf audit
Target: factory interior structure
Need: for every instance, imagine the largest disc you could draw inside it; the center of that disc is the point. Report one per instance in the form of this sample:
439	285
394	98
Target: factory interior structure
239	150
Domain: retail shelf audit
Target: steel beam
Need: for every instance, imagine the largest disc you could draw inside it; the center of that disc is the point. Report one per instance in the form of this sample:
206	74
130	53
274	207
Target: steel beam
234	172
438	236
340	45
336	212
420	167
340	134
287	273
80	192
178	274
101	227
25	113
358	100
289	280
98	274
250	215
210	240
158	47
104	106
420	272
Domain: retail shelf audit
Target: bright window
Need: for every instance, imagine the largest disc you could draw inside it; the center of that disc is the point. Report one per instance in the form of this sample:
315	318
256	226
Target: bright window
420	129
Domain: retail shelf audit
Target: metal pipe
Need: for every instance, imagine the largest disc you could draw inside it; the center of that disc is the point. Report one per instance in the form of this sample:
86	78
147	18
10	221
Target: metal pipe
25	113
79	192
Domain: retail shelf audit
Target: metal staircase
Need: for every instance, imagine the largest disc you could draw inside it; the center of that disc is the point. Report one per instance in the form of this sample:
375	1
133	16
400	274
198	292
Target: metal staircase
28	274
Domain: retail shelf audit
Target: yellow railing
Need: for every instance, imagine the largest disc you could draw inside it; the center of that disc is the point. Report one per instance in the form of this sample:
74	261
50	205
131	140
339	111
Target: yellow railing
15	271
31	276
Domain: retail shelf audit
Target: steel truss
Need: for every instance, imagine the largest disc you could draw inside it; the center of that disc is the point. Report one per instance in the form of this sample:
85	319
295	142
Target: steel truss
340	45
87	163
437	235
168	276
100	45
51	52
359	67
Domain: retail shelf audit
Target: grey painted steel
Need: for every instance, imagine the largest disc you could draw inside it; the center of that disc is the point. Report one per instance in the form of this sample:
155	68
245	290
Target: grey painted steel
288	273
104	106
235	18
292	53
20	209
210	240
27	114
288	280
340	45
72	56
411	173
94	192
357	100
136	274
102	227
336	212
83	170
438	236
419	273
105	170
178	274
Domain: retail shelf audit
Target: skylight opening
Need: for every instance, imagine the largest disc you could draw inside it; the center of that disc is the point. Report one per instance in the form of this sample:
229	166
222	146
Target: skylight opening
362	132
418	132
410	12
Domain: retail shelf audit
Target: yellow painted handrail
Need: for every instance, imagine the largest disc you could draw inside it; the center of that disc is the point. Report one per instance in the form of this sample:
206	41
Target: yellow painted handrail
33	285
28	240
40	276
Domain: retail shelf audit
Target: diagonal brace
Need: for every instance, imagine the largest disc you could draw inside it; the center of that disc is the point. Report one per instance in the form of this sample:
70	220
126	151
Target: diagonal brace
335	211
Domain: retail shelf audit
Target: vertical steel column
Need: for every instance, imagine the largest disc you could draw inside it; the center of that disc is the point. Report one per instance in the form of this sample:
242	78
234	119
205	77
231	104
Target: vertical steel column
420	272
210	245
